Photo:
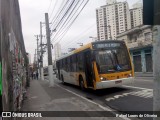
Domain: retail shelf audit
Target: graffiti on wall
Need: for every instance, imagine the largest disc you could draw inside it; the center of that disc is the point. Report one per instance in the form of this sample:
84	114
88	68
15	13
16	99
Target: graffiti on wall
18	71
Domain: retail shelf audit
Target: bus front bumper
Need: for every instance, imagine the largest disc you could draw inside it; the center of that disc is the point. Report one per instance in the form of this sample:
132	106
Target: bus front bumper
114	83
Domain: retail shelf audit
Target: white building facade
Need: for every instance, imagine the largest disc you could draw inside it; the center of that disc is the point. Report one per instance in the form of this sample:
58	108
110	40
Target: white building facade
112	19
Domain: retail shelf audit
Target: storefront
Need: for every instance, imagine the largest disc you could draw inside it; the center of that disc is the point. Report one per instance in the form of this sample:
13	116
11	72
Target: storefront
142	58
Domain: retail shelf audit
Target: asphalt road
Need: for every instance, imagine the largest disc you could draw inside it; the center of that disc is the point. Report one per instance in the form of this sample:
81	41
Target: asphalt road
133	97
143	82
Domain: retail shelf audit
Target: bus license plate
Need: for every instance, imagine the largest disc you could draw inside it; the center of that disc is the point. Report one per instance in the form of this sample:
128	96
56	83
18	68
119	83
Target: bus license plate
117	82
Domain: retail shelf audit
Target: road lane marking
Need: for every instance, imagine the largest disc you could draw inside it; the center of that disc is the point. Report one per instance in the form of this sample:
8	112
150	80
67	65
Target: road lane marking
145	93
102	107
136	87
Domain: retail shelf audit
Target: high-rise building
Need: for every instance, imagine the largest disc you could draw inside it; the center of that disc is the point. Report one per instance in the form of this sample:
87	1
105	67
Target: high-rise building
136	14
57	50
112	19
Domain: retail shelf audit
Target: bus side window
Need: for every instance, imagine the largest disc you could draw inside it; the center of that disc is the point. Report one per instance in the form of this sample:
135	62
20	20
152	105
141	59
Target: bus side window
68	64
63	65
80	62
74	63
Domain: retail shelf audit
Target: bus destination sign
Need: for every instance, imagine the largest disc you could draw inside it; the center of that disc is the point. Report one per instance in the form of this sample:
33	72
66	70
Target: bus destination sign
106	45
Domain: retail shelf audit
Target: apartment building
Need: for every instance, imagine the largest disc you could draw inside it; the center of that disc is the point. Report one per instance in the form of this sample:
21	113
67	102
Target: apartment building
112	19
136	14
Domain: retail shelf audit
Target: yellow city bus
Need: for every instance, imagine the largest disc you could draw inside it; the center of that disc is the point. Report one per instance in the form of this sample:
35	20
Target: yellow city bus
97	65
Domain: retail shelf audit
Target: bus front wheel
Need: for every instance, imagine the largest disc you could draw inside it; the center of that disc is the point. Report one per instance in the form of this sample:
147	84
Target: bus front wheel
62	79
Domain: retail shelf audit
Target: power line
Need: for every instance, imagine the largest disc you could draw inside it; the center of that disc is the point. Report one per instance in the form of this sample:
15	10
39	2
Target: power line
84	38
65	13
64	33
66	7
82	33
67	19
78	39
63	4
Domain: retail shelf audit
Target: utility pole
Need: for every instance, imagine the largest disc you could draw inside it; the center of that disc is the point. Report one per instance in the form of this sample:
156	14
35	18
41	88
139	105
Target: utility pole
41	58
35	64
37	56
151	16
156	69
156	57
50	66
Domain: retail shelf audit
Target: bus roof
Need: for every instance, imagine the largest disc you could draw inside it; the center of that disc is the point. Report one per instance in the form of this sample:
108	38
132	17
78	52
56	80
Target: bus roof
89	45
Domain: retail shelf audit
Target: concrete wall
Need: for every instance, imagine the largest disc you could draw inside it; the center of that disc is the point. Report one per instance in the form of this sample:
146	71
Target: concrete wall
12	45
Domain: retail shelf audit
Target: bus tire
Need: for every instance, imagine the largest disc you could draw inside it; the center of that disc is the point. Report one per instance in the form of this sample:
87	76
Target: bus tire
81	83
62	79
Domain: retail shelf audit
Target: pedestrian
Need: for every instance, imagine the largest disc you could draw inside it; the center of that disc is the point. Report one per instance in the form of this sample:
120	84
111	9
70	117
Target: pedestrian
37	75
32	75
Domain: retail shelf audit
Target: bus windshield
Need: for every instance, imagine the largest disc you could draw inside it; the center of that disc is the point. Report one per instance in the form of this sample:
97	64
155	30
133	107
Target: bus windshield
113	60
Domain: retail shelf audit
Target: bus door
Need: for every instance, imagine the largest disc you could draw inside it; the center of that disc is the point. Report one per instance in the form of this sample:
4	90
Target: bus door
58	69
88	68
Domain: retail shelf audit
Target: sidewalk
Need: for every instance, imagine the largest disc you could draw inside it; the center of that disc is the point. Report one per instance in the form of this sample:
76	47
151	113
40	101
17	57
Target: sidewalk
140	74
44	98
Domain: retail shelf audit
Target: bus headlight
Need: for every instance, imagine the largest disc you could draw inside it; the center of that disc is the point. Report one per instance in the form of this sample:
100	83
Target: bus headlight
130	75
102	79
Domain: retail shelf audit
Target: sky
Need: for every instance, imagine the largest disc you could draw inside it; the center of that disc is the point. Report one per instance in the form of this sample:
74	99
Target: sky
33	11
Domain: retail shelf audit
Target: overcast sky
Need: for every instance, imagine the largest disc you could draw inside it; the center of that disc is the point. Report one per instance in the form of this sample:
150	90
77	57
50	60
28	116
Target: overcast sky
32	12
